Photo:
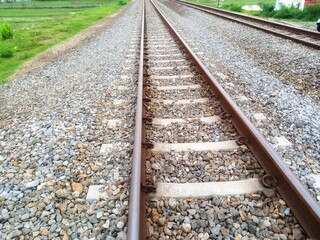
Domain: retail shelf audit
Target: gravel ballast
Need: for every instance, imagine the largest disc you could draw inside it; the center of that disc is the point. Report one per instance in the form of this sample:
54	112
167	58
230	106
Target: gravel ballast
248	66
66	129
250	216
187	170
181	167
54	121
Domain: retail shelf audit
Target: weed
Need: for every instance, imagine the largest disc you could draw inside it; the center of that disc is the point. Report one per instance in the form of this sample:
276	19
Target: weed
233	7
122	2
267	9
7	52
311	12
6	31
287	12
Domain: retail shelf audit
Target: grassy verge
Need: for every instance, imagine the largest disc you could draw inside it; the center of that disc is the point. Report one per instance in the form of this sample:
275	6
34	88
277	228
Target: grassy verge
35	30
49	3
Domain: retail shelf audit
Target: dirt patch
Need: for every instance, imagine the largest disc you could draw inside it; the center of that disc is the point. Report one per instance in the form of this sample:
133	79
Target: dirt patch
71	44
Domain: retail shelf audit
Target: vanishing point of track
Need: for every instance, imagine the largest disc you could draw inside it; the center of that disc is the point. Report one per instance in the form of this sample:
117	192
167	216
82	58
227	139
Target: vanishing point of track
278	176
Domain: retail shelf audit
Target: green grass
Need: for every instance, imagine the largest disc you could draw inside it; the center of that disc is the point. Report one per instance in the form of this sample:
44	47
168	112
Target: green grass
36	30
52	3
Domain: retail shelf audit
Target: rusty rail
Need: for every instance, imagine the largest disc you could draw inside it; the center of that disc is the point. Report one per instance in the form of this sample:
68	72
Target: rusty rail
235	17
136	219
302	204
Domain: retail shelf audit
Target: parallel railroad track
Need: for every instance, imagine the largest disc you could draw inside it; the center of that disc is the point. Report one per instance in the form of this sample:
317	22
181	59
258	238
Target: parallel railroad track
303	36
178	99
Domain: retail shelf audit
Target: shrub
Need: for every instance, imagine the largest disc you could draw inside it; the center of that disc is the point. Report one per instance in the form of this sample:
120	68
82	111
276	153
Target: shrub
6	52
233	7
311	12
267	9
287	12
6	31
122	2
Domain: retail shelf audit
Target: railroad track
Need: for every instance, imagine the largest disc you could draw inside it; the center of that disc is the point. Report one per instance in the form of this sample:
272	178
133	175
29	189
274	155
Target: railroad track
189	136
299	35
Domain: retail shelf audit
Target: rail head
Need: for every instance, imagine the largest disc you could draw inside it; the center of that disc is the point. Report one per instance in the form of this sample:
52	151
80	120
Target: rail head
134	219
302	204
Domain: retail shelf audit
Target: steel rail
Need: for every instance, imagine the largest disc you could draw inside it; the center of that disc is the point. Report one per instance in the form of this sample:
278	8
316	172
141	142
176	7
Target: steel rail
222	13
136	219
302	204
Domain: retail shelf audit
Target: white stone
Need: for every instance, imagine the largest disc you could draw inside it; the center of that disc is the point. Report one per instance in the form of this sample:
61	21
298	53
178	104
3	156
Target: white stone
230	84
265	224
118	101
113	122
105	148
242	98
122	88
186	227
156	166
282	142
99	214
259	116
120	224
4	194
123	77
316	179
107	224
206	236
93	193
115	192
172	203
192	211
32	184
